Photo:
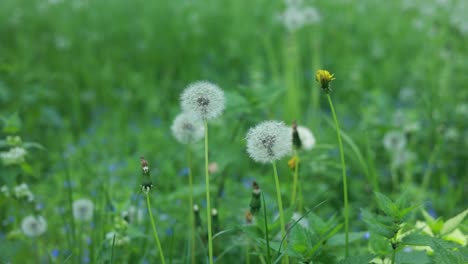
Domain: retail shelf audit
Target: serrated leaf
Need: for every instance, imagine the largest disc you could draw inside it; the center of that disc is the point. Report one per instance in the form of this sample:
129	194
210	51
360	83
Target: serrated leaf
378	224
386	205
453	222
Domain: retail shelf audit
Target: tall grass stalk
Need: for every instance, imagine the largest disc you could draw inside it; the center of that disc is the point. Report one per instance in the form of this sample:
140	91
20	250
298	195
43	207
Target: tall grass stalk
343	170
208	203
280	208
155	231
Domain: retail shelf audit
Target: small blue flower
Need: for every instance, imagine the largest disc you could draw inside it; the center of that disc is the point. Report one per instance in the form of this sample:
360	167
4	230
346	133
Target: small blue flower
367	235
55	253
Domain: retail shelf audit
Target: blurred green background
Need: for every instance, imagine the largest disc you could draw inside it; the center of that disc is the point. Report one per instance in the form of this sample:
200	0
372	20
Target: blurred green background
97	83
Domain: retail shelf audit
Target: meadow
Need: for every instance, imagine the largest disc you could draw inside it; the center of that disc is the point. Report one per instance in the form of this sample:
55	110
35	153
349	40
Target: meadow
234	131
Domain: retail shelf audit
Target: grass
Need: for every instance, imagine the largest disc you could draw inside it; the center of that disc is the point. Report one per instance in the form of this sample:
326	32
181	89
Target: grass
97	84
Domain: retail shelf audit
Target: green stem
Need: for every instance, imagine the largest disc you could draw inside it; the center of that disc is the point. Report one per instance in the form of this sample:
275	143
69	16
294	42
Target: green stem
191	218
265	220
295	181
394	172
208	204
155	232
393	256
343	170
280	207
428	172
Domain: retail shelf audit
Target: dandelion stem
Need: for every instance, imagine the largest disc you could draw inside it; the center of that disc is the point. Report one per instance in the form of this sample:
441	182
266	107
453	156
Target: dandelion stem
343	170
191	218
155	232
208	204
265	220
393	256
280	207
296	179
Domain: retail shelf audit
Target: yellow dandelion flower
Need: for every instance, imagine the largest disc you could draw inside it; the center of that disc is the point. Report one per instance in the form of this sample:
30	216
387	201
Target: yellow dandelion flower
324	77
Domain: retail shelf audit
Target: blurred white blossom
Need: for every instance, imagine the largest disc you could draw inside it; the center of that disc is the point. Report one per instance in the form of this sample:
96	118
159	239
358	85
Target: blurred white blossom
83	209
33	226
14	156
22	192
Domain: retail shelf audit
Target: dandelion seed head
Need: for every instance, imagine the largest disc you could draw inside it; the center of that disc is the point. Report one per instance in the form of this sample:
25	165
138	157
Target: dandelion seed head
33	226
188	128
306	136
203	99
83	209
269	141
394	141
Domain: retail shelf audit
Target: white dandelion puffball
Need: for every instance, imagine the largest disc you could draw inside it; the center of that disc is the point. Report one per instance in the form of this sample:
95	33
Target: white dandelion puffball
269	141
306	136
188	128
83	209
33	226
203	99
394	141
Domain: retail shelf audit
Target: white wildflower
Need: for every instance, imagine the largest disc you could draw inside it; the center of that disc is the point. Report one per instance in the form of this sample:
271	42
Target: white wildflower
4	189
203	99
14	156
22	192
33	226
133	214
394	141
83	209
188	128
117	239
269	141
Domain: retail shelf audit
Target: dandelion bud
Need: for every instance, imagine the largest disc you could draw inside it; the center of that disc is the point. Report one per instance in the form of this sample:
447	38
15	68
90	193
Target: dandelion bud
255	202
296	139
324	77
203	99
188	128
146	184
269	141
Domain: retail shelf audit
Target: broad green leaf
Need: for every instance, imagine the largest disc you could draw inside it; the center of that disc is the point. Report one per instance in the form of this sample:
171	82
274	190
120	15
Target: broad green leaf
453	222
386	205
339	239
378	224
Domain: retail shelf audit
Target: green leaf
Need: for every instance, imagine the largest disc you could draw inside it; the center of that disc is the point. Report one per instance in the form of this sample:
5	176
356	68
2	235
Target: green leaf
360	259
453	222
386	205
381	225
339	239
